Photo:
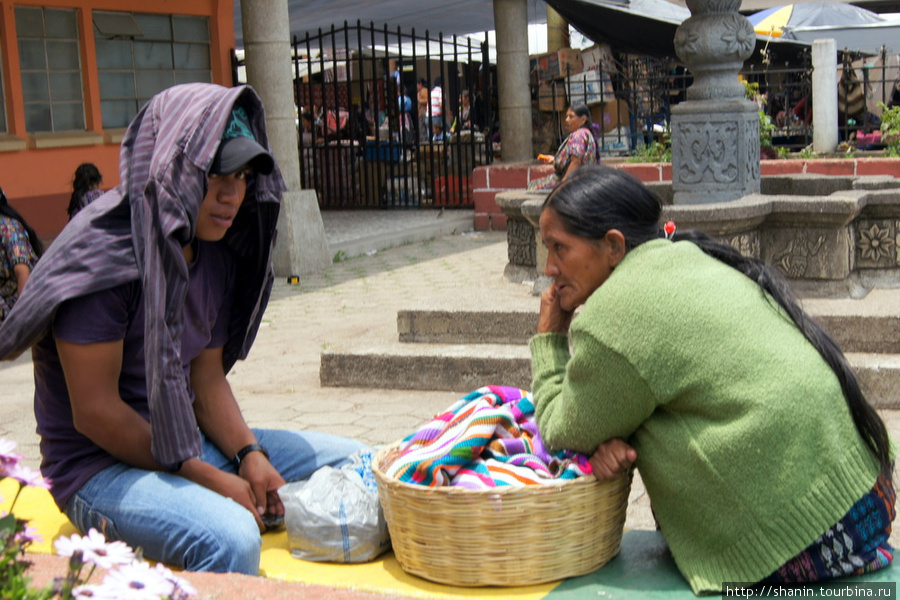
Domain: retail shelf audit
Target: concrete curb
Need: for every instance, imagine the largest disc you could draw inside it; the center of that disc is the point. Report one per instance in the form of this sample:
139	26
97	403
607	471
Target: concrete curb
445	223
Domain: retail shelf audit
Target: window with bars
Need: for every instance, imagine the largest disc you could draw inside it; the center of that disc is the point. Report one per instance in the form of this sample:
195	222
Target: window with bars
50	62
134	64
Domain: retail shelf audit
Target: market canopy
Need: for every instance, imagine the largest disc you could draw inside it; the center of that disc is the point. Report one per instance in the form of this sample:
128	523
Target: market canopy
648	27
436	16
780	20
639	26
854	29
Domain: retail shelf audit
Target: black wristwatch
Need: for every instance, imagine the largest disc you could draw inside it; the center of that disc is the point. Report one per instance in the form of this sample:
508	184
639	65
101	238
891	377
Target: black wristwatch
239	457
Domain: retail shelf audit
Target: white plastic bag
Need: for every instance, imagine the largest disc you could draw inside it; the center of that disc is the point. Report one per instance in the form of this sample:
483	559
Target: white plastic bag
335	515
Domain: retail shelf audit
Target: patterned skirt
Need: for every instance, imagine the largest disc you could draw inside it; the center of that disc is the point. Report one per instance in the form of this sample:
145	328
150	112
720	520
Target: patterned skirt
855	545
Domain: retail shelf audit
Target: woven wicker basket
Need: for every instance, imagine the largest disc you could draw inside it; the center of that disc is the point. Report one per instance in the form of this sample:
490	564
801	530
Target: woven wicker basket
507	536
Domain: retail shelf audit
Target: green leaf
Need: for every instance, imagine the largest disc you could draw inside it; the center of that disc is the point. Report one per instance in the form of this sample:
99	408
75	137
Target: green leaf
8	524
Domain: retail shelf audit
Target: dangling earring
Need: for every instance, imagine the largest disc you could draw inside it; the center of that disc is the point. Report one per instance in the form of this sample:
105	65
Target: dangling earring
669	228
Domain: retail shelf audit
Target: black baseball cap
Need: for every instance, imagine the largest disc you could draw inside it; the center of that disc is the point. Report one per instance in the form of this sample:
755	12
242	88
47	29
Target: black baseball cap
239	147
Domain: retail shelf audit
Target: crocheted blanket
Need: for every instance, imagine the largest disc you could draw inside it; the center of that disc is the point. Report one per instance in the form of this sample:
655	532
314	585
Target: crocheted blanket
486	439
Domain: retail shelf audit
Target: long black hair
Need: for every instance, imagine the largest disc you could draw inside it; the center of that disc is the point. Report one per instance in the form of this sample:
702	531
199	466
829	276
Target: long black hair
87	176
8	211
583	110
596	199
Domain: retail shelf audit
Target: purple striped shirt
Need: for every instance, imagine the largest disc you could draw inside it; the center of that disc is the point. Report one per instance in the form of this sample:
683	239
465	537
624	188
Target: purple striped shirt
137	231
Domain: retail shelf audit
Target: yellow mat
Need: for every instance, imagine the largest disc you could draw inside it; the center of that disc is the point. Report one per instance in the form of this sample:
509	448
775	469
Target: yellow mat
383	575
36	506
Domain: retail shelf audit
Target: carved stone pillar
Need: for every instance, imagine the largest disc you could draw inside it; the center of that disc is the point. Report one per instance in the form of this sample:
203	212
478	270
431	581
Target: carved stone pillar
715	132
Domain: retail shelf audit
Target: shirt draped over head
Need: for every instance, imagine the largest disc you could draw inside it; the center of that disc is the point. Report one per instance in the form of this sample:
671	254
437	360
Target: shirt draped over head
70	459
137	232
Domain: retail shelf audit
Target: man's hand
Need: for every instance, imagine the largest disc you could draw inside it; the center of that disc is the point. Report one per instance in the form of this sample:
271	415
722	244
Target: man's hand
264	480
226	484
219	417
612	459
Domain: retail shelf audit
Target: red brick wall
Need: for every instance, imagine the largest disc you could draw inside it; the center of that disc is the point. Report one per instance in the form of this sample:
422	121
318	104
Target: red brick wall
491	180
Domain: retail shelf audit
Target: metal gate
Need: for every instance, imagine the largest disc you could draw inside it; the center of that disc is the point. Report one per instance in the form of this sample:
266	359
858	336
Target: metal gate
365	140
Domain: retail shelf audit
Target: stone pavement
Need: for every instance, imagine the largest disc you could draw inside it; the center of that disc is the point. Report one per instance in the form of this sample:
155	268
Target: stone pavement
352	304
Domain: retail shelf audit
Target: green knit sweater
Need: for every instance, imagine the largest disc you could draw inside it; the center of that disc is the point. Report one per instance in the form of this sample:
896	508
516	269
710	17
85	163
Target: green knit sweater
743	437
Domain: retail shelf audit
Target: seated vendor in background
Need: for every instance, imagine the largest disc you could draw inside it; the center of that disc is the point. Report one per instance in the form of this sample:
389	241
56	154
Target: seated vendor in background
579	148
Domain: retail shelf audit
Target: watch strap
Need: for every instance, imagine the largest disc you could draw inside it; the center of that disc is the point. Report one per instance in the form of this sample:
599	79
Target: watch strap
239	457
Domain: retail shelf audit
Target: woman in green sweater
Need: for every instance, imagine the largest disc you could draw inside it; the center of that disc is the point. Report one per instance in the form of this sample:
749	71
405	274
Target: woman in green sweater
761	456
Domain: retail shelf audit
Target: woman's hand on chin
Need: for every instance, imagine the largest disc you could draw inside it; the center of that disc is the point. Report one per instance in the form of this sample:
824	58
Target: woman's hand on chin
553	318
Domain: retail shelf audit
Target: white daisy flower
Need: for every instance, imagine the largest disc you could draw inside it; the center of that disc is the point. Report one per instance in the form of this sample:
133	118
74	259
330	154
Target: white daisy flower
106	555
29	535
138	581
27	476
182	589
90	592
6	449
67	546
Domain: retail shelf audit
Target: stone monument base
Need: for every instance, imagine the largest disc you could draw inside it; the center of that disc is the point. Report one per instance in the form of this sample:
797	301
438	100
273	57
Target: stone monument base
831	236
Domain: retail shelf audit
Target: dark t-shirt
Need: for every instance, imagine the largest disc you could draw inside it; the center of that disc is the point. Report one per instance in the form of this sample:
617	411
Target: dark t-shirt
70	458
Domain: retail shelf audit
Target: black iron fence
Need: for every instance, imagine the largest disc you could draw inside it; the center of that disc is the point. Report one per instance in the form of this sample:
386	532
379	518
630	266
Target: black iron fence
368	139
631	99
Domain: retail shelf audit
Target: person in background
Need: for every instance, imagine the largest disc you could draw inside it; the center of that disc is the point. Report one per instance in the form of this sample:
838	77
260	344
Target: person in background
135	316
394	68
85	188
479	118
20	249
436	104
463	121
306	127
762	458
579	148
422	99
405	126
439	136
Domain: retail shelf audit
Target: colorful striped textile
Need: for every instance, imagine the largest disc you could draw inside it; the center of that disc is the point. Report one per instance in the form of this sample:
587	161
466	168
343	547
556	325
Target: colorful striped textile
855	545
487	439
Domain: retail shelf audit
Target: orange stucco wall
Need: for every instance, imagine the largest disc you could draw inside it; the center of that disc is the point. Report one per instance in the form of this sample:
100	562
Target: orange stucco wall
38	181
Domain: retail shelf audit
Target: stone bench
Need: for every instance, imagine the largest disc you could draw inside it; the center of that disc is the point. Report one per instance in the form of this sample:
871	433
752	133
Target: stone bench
520	206
832	236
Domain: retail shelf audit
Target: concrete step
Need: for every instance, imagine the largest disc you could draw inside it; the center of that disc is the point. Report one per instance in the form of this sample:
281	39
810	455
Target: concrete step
854	330
863	333
465	367
879	377
456	368
466	327
871	324
379	229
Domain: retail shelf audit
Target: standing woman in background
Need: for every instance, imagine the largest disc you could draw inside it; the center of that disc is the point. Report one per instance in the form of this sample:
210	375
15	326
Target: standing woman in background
20	249
85	188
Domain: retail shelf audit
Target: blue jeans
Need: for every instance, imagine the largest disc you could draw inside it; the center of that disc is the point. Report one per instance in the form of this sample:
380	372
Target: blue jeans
181	523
